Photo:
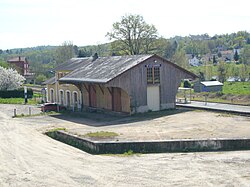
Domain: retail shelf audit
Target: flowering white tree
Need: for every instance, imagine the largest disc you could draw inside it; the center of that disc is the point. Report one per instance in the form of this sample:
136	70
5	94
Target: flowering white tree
10	79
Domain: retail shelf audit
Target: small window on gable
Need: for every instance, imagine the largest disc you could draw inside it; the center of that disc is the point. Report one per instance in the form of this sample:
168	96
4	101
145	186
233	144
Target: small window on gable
156	74
150	75
153	74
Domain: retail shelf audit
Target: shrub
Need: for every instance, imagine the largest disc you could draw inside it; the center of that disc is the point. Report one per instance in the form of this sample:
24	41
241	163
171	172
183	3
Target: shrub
19	93
187	84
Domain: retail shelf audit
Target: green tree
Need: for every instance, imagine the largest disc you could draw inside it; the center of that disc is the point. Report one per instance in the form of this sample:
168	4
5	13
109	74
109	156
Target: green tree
245	56
134	34
65	52
40	78
180	58
214	60
222	72
170	49
243	72
236	56
4	64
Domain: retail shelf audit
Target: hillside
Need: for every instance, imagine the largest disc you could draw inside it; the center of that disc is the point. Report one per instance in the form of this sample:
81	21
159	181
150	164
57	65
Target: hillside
44	58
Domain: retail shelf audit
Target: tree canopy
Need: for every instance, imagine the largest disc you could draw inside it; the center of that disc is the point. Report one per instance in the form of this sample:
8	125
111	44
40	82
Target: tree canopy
10	79
65	52
134	35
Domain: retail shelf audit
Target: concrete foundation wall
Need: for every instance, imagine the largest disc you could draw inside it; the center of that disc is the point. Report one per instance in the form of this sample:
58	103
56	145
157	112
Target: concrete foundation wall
167	106
152	146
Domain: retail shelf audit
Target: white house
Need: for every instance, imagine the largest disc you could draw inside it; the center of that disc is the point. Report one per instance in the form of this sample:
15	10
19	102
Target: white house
194	61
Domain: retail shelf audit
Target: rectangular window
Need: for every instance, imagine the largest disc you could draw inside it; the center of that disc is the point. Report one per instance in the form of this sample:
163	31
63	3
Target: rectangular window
149	75
153	75
156	74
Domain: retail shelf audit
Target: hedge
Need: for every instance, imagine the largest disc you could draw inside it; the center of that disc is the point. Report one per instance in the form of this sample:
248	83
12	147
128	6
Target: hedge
19	93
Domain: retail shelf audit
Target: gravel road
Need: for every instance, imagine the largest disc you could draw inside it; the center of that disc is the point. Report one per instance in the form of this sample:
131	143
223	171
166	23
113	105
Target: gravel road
29	158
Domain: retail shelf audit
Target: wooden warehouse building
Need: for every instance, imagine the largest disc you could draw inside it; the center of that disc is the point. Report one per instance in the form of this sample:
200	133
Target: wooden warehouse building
128	84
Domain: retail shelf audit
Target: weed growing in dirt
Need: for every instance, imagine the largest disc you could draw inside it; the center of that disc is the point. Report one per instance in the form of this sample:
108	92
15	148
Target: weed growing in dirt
32	115
102	134
58	129
126	154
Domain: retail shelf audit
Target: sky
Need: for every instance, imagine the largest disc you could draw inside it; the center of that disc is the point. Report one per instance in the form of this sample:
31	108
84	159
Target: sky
30	23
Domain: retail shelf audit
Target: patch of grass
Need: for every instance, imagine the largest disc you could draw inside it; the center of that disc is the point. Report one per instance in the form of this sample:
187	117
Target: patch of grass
198	110
236	88
57	129
224	115
17	101
102	134
126	154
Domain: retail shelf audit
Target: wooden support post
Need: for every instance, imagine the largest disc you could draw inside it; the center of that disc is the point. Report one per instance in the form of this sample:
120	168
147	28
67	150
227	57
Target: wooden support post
86	87
109	91
101	89
93	86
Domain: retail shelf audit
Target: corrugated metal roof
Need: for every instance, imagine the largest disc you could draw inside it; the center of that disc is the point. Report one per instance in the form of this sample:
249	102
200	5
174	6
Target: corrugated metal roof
211	83
72	64
17	59
50	81
103	69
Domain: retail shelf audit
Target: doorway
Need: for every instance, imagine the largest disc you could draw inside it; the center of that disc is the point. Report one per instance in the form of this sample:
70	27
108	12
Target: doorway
116	100
153	98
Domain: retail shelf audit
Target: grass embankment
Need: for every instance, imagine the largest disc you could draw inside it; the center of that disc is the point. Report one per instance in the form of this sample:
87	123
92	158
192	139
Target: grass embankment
233	93
236	88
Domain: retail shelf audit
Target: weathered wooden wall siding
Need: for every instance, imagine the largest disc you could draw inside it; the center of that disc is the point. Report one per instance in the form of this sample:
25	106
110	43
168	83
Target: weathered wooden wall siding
100	103
134	82
125	100
85	95
170	81
107	98
104	99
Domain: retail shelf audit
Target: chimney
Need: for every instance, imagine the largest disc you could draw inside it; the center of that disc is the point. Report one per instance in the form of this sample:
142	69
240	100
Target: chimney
94	57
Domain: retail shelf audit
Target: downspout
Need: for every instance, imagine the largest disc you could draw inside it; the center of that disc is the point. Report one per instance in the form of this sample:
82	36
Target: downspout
82	97
56	92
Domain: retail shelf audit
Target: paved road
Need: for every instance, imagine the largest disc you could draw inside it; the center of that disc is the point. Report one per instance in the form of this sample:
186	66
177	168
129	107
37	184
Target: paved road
217	106
29	158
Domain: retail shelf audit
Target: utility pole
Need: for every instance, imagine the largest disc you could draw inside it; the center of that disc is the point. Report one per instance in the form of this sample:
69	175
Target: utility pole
25	95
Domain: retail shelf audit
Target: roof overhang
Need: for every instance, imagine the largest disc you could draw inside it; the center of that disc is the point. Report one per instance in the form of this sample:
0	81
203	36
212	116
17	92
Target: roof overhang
81	80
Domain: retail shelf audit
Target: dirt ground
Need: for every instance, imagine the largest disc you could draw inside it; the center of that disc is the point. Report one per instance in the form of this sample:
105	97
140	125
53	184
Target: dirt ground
29	158
182	124
185	125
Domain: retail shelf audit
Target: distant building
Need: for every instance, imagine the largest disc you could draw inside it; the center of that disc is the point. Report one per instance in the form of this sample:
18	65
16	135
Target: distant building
236	49
194	61
208	86
21	65
227	55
